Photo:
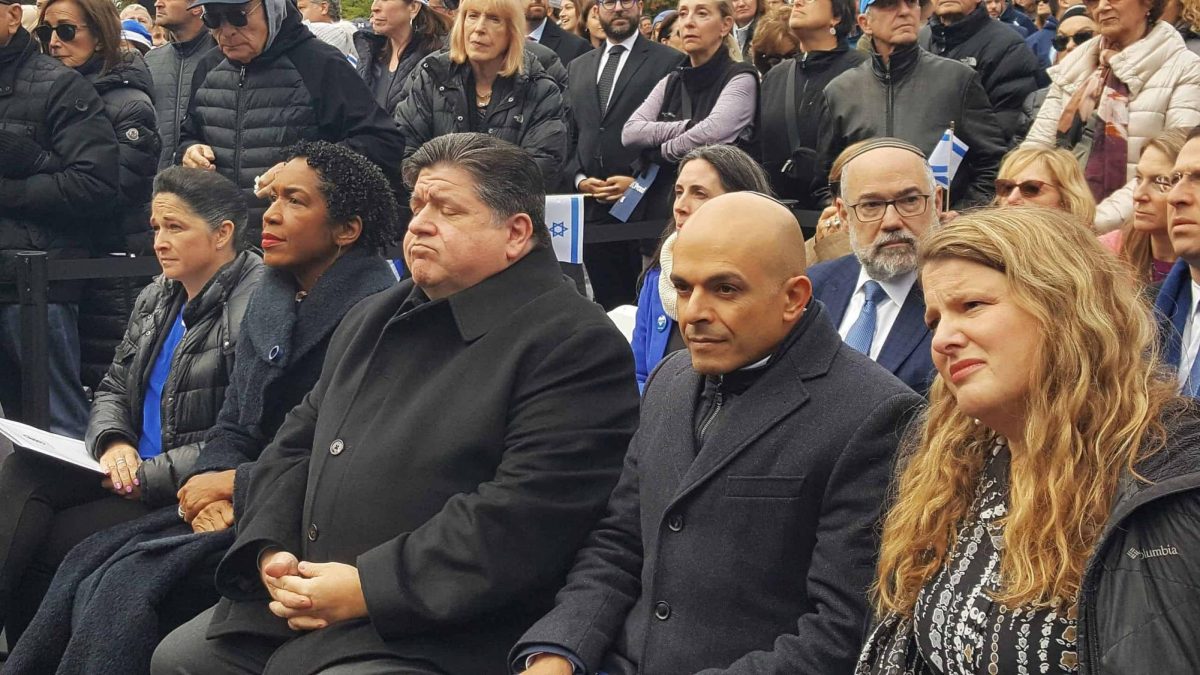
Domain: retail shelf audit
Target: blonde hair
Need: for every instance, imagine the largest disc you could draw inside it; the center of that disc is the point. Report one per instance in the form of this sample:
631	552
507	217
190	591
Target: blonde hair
1077	198
1135	244
1096	397
511	13
1191	13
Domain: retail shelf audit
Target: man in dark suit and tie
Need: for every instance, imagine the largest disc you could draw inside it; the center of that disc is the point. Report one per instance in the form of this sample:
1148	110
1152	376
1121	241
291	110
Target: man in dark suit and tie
740	537
544	30
608	85
888	201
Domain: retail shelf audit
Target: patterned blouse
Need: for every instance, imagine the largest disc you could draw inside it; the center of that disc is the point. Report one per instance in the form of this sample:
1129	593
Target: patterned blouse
959	629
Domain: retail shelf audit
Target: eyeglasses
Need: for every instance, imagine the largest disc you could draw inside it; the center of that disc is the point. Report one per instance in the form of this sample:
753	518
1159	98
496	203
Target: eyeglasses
907	206
238	18
1029	188
612	4
1192	178
1081	36
1161	184
65	32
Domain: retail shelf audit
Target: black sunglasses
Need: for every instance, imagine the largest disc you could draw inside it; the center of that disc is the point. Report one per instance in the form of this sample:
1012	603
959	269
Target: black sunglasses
65	31
213	18
1080	37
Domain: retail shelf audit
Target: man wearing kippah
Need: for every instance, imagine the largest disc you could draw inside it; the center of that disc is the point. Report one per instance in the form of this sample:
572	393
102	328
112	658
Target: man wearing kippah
905	92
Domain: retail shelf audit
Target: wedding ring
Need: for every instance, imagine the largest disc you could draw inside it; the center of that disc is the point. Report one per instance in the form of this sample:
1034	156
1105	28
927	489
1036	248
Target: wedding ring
121	460
180	512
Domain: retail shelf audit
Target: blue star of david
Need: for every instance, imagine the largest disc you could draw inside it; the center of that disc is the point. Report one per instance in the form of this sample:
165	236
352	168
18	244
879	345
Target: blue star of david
558	230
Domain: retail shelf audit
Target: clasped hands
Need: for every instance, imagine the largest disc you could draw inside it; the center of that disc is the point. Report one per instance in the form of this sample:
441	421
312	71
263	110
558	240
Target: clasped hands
606	190
311	595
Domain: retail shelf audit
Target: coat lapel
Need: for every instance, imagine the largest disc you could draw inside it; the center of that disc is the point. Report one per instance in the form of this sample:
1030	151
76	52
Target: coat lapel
839	288
590	72
637	57
907	332
778	393
773	398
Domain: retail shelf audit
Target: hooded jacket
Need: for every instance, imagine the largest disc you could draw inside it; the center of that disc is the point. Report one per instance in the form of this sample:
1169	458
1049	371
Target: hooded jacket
172	66
55	107
527	110
1007	67
1163	77
297	89
200	370
915	96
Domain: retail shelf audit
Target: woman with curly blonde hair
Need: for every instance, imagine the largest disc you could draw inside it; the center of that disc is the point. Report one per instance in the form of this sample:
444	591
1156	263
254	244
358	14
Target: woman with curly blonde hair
1044	513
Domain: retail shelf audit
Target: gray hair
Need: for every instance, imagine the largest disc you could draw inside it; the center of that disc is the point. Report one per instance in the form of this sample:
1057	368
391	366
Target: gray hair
335	9
930	181
506	178
880	261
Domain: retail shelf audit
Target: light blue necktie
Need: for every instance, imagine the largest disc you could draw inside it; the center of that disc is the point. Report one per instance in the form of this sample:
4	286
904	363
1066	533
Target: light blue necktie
863	331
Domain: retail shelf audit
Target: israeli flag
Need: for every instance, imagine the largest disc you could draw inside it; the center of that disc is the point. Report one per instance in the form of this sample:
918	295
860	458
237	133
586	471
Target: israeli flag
946	158
564	219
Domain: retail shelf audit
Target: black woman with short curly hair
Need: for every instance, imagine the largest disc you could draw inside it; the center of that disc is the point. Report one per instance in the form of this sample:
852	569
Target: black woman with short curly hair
331	211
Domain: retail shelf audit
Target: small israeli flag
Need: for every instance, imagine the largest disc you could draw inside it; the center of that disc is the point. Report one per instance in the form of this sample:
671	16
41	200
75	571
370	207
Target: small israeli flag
564	219
946	158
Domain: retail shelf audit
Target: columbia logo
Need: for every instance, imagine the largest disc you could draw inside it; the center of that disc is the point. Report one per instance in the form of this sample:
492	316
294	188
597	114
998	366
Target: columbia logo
1157	552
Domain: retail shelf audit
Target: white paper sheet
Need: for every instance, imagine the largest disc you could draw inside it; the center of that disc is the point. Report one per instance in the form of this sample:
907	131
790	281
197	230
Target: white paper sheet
61	448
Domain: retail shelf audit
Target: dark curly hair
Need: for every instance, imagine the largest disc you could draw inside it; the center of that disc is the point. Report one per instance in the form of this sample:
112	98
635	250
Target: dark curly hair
352	186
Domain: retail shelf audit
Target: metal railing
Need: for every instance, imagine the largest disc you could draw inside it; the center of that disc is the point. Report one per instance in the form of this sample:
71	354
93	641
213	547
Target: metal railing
35	272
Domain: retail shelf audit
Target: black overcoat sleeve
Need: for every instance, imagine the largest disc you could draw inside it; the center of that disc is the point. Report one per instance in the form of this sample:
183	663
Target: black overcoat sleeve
568	429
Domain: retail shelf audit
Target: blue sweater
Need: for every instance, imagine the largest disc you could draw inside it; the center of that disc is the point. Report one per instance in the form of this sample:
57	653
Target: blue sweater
651	328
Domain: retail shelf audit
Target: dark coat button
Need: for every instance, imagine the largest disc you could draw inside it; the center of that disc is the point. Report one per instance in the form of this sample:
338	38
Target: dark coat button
336	447
675	522
313	532
662	611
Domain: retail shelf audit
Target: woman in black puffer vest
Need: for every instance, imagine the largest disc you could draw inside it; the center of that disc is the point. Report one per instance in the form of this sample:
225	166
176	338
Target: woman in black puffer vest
162	392
86	35
712	100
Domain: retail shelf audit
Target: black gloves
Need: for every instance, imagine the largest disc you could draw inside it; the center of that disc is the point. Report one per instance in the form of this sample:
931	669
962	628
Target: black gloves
20	157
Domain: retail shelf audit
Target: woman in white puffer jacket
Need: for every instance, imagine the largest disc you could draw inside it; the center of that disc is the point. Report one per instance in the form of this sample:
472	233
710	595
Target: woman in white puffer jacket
1156	87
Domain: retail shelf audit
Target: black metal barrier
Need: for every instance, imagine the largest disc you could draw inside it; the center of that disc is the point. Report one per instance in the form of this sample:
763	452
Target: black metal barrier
35	271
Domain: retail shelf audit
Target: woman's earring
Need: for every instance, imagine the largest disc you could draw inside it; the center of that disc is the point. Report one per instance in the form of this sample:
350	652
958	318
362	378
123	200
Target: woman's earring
832	30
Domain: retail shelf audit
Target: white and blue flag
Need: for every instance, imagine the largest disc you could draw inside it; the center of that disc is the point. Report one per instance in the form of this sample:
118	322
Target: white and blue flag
946	158
564	219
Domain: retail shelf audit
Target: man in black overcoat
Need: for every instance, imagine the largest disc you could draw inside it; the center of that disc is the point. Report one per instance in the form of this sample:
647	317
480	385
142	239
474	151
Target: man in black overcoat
741	536
420	507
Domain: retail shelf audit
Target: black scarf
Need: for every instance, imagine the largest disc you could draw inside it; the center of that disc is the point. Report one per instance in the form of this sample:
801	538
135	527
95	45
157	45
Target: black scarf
15	47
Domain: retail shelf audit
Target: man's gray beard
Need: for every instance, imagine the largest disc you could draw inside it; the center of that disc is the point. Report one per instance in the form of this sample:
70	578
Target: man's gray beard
884	265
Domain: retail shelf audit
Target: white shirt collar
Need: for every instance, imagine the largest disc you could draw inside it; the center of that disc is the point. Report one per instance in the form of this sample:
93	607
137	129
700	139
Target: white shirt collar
627	43
536	33
897	288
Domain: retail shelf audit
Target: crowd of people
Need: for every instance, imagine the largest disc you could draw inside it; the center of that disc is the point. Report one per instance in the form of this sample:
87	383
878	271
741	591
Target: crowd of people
954	431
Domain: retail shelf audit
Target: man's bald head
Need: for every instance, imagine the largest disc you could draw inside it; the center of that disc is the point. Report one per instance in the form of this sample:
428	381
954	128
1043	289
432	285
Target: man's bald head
751	224
739	269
